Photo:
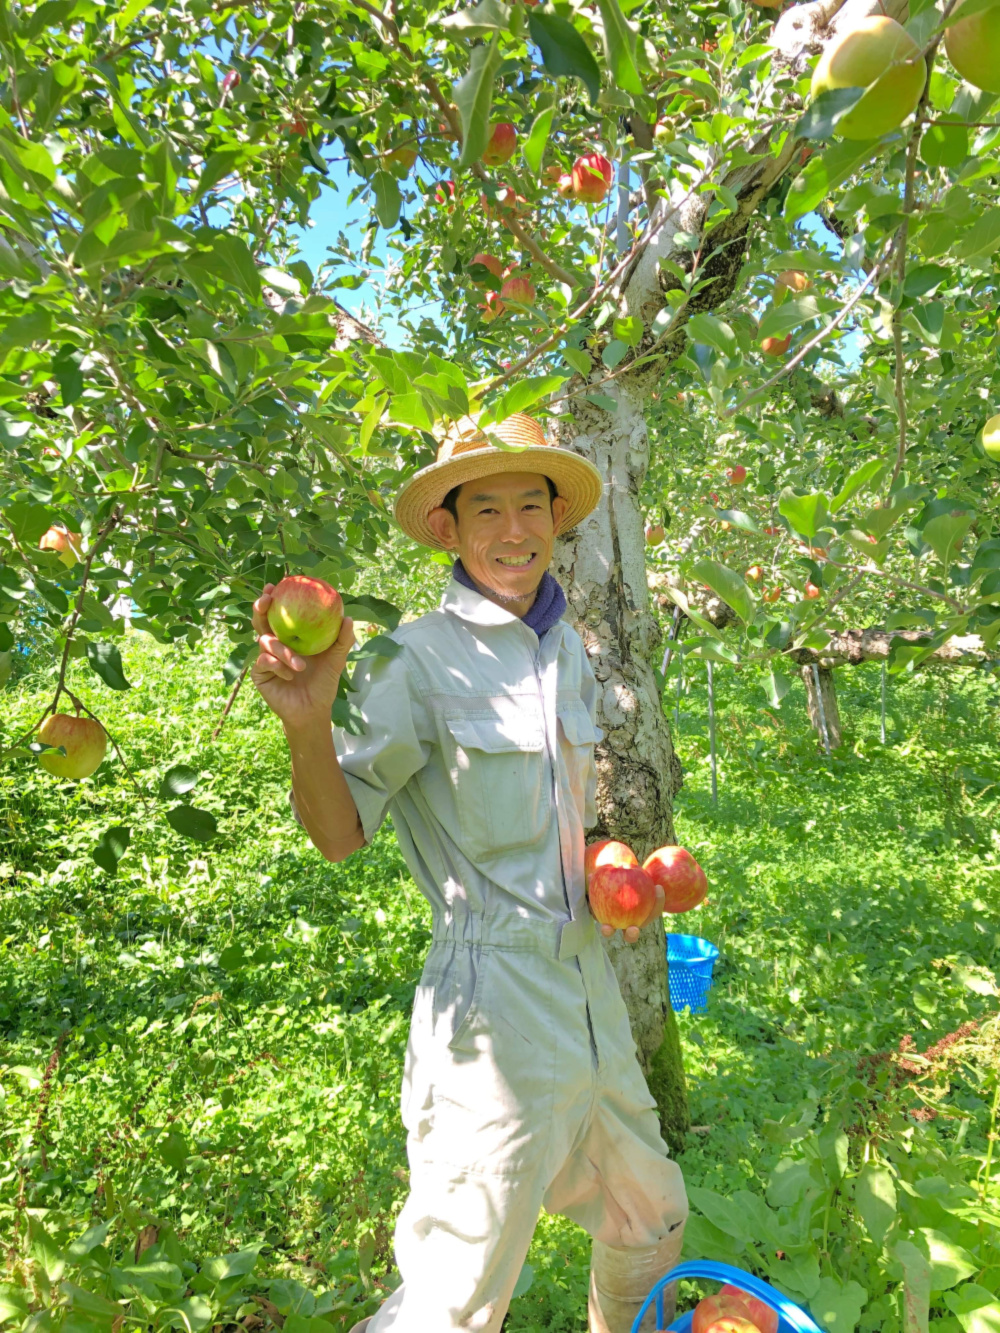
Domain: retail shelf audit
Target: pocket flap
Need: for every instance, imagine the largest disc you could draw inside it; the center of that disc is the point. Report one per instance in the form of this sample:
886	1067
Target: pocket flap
495	734
576	724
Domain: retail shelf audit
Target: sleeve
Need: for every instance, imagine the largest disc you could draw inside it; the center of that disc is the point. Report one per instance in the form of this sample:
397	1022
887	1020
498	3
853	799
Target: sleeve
394	745
588	692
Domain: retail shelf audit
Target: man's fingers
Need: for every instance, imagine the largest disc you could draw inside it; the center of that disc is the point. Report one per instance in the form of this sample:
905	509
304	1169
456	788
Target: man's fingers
280	652
631	934
267	665
607	931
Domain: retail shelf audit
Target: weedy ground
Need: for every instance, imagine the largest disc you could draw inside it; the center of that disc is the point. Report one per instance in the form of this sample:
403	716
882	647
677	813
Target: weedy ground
202	1052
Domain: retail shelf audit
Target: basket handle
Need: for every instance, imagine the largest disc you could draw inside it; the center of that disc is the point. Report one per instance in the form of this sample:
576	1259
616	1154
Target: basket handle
795	1317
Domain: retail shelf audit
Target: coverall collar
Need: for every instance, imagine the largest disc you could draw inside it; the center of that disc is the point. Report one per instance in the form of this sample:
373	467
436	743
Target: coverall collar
475	608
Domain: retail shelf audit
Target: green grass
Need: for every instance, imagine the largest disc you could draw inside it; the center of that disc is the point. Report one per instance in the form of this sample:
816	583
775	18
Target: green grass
230	1018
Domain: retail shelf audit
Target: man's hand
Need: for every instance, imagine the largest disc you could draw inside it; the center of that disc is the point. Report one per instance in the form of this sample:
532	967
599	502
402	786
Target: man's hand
301	690
631	933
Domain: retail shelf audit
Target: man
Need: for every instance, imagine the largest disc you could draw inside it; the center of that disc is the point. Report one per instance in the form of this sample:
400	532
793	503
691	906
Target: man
521	1087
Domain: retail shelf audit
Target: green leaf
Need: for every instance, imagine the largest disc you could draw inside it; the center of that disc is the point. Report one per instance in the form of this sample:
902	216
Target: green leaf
106	661
838	1305
721	1213
112	847
373	608
858	479
825	111
615	352
629	329
379	645
875	1200
236	661
619	45
489	16
238	265
174	1151
806	513
388	200
522	395
944	534
728	585
715	332
945	145
924	278
738	519
240	1263
177	781
916	1288
524	1280
190	822
232	958
776	686
474	98
564	51
533	149
578	359
823	173
793	312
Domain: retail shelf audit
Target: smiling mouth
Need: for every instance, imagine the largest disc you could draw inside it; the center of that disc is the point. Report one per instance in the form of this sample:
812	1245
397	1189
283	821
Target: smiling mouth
515	561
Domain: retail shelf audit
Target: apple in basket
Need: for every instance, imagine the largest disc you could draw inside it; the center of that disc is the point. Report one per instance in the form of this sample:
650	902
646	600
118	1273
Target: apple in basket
760	1313
733	1311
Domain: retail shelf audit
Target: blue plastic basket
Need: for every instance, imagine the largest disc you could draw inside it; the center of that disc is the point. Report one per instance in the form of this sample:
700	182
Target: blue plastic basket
690	960
791	1319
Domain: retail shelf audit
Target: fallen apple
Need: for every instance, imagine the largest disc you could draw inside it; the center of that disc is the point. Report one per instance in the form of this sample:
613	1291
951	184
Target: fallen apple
621	896
679	875
607	852
84	740
762	1315
65	542
501	145
305	614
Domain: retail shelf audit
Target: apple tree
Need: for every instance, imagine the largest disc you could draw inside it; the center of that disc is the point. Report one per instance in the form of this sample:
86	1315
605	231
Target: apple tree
583	212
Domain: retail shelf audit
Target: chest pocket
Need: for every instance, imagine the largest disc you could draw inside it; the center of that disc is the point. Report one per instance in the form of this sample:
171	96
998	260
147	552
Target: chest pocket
499	773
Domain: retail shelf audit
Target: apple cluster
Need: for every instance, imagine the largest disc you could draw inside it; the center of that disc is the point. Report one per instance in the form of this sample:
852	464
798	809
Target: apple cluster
622	893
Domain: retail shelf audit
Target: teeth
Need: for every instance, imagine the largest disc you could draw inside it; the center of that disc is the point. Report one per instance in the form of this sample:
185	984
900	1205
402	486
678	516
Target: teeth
515	560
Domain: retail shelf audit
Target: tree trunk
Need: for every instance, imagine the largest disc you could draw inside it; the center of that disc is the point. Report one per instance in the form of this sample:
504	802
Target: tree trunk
602	568
822	705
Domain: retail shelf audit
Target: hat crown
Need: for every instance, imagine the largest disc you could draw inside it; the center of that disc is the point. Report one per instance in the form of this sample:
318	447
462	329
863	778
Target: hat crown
518	430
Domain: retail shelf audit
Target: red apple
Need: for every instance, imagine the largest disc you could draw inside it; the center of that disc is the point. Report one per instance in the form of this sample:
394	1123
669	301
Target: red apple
736	475
518	289
444	193
501	145
755	573
811	592
793	279
565	185
231	80
772	532
776	346
84	740
592	175
733	1323
296	126
708	1313
490	262
654	534
607	853
65	542
305	614
621	896
772	594
492	308
679	875
507	201
762	1315
553	173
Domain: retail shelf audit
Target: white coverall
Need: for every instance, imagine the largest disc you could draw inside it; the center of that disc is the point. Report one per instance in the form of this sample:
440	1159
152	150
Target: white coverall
521	1087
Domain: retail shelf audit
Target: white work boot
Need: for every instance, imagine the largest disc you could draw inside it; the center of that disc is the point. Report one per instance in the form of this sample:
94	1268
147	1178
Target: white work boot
360	1328
620	1280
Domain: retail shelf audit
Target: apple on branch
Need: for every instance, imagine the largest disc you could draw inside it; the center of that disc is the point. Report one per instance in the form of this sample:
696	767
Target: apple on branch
84	740
66	543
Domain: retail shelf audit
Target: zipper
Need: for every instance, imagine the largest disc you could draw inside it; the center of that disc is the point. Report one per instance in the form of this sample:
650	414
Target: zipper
552	773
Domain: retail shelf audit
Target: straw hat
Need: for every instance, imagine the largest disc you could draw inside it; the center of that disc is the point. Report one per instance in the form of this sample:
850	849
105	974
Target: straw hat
466	454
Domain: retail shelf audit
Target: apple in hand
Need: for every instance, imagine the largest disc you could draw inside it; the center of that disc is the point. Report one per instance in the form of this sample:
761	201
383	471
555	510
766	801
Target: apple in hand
621	896
679	875
607	853
84	740
305	614
762	1315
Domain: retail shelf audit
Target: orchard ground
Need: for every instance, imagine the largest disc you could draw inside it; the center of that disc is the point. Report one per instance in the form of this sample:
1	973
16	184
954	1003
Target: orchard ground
231	1018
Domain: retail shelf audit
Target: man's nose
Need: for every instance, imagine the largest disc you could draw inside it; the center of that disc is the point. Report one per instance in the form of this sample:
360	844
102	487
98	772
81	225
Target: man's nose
513	528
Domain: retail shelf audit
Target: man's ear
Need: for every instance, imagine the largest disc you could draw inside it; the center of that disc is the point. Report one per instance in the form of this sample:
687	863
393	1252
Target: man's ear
559	506
442	523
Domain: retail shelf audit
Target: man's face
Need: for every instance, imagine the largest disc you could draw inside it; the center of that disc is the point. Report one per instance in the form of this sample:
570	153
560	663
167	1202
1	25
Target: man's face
505	532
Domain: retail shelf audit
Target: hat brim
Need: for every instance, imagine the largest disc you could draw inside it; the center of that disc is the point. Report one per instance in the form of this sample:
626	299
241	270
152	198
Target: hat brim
576	479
